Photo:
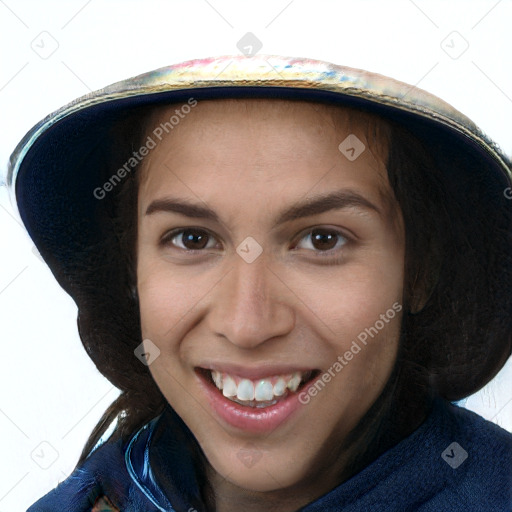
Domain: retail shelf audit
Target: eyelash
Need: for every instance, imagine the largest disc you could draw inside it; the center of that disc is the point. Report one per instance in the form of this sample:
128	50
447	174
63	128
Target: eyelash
330	253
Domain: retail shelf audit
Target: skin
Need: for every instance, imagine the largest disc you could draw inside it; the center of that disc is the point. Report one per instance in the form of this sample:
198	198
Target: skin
248	160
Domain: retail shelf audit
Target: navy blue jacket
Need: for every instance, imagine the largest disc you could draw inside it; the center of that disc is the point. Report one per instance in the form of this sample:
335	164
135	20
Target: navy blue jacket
454	462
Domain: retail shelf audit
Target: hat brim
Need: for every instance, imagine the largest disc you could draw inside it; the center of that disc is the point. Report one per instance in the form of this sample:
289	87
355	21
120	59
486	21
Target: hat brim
60	162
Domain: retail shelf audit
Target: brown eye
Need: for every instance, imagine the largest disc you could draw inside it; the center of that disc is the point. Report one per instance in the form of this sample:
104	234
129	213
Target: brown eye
190	239
324	239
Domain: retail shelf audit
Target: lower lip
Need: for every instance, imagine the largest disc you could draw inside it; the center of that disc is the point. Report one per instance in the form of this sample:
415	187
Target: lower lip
250	419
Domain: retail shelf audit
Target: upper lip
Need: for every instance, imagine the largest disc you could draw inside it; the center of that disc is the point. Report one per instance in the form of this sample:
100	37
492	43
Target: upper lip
255	372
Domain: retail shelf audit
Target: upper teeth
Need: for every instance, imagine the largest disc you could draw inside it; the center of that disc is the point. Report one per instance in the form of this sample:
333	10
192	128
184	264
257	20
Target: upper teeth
260	390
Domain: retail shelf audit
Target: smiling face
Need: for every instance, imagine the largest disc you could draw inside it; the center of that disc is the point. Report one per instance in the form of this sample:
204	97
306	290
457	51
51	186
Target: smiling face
270	263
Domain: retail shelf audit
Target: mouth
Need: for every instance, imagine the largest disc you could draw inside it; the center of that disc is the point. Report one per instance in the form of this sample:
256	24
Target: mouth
256	401
258	393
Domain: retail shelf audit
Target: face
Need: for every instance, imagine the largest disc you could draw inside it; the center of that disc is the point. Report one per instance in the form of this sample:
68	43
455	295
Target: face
270	264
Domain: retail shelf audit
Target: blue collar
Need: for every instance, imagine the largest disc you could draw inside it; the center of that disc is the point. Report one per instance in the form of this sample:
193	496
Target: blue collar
413	475
137	463
159	457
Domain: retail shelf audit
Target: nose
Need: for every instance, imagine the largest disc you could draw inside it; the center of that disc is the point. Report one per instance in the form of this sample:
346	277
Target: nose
250	305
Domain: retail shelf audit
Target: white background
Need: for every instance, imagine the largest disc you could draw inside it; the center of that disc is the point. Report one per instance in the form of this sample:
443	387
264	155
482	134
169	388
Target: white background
51	392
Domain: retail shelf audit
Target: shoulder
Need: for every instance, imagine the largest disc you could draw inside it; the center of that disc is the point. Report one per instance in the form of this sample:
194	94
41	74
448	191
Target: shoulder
487	443
476	457
81	490
100	484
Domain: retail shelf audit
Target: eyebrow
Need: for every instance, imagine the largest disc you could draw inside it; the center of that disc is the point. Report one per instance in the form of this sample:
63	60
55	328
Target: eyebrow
316	205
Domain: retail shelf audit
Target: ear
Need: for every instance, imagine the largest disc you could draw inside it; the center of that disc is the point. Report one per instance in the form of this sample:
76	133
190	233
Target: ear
423	286
417	296
426	278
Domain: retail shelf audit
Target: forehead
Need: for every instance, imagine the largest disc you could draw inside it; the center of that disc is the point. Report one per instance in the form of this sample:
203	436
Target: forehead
268	145
311	119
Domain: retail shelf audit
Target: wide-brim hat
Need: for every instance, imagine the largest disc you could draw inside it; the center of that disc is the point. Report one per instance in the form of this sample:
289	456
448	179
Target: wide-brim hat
63	181
57	167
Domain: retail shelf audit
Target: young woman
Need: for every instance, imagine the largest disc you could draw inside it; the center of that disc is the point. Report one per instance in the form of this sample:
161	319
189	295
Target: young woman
290	272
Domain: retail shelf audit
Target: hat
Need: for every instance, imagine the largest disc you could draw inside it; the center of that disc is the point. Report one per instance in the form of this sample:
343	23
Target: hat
56	175
62	178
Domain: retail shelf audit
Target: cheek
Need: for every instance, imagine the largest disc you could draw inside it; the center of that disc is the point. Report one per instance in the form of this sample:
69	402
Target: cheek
162	305
164	297
371	345
160	299
361	315
354	299
171	300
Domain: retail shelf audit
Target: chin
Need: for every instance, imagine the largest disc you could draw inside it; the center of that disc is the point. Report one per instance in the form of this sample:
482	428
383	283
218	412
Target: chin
255	472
